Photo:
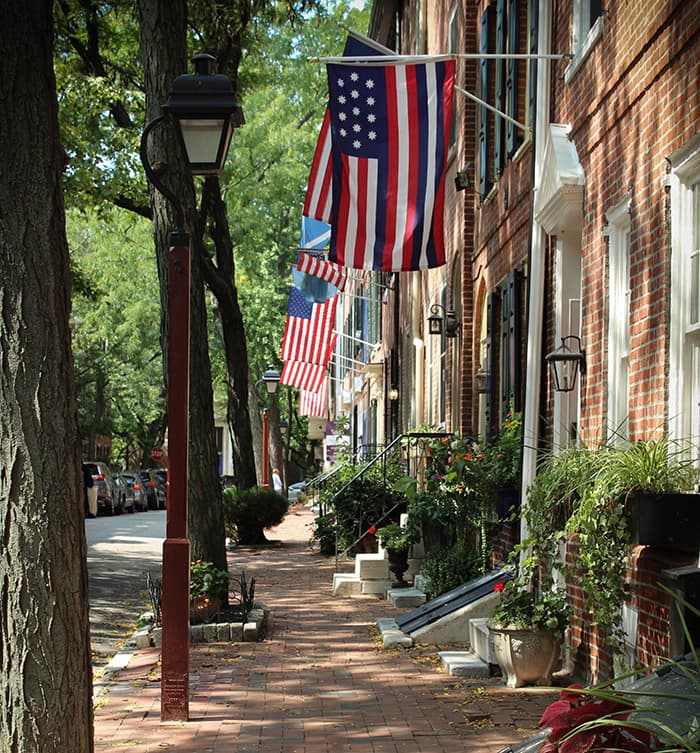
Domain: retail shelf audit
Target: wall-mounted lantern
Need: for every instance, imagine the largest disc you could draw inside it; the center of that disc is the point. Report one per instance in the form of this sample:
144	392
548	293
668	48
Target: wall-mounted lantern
565	363
442	319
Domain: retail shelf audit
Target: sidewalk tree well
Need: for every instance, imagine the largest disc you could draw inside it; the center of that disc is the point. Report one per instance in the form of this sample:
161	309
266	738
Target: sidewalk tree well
45	669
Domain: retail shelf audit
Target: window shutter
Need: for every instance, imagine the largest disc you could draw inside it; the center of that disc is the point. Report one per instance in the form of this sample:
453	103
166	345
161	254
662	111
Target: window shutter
511	369
498	128
485	182
513	133
491	361
532	88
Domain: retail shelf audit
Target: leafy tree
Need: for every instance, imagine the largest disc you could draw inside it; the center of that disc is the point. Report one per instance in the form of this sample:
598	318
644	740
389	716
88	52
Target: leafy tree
45	673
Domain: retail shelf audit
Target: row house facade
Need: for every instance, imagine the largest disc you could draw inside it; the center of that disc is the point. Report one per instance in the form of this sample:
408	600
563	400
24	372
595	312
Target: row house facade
572	209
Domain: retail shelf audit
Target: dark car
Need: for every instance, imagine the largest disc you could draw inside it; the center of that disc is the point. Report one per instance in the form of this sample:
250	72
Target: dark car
133	492
109	500
155	491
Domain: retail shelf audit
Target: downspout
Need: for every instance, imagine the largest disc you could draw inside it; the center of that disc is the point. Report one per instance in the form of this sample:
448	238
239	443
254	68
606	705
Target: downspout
418	345
533	377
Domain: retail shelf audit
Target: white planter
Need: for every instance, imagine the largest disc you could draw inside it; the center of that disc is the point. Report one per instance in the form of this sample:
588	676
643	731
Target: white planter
526	657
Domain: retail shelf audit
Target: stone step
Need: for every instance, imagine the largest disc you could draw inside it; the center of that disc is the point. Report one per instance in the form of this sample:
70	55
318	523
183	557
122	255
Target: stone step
371	566
392	635
405	598
463	664
346	584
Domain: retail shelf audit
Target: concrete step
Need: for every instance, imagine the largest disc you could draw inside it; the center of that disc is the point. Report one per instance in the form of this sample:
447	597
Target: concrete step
371	566
405	598
346	584
392	635
463	664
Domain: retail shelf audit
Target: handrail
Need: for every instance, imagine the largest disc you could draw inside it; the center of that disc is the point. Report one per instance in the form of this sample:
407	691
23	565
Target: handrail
379	458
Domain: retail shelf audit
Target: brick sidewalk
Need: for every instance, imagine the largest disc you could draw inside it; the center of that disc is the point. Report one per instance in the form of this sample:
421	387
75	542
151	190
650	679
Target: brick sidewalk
318	683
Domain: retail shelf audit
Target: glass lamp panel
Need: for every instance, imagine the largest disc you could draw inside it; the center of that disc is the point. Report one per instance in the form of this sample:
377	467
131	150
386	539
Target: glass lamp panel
206	142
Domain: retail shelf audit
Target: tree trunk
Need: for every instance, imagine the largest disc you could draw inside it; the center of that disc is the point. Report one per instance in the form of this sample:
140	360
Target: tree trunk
220	279
163	52
45	669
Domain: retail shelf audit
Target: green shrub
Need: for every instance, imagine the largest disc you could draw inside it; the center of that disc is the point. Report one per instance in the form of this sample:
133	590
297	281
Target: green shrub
248	513
449	567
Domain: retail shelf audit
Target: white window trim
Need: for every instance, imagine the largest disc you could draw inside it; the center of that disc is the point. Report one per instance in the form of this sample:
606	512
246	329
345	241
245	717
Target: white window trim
619	225
683	175
582	48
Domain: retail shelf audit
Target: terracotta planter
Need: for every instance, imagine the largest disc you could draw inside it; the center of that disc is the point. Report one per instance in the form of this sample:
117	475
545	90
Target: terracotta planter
667	521
526	657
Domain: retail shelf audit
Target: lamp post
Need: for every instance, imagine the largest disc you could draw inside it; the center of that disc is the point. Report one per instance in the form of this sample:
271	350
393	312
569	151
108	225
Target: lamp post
206	112
271	380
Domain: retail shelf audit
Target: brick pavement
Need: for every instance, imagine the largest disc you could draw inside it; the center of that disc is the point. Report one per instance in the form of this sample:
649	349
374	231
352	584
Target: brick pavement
319	682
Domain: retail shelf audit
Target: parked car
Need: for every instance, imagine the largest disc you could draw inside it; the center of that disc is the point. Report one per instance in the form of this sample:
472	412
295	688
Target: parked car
109	501
133	479
294	490
155	491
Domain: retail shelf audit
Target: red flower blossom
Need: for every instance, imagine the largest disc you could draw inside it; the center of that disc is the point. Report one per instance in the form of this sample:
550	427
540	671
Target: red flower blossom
372	529
499	587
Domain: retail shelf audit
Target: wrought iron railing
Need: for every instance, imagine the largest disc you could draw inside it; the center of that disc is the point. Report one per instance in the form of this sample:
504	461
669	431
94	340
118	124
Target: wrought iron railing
409	451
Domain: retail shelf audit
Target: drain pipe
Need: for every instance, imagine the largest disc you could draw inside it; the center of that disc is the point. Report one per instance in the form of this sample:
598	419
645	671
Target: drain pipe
537	267
419	350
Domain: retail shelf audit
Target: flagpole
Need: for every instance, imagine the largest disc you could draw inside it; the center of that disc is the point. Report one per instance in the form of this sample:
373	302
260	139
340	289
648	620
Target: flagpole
391	59
481	102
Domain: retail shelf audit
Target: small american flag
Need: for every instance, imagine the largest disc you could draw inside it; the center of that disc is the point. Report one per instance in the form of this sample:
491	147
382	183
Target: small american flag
308	331
305	376
314	403
317	265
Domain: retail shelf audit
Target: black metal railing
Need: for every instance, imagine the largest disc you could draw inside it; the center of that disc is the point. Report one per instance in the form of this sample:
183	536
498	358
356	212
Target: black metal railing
408	452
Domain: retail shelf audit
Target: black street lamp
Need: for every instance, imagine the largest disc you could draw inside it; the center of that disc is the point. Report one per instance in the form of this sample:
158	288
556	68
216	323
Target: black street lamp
206	112
271	380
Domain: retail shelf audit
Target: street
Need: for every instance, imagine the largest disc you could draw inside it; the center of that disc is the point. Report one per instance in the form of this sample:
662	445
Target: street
121	550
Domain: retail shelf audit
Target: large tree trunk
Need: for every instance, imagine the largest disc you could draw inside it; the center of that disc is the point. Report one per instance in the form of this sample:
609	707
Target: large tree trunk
220	279
163	53
45	671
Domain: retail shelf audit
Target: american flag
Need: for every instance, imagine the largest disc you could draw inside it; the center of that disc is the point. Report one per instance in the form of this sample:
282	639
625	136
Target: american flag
317	203
314	403
305	376
390	128
308	331
317	265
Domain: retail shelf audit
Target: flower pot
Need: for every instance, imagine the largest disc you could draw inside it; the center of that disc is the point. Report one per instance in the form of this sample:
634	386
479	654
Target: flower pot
526	656
398	564
668	521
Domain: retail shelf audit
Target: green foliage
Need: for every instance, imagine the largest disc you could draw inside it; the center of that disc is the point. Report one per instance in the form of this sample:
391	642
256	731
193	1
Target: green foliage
207	580
248	513
324	533
116	333
520	608
449	567
397	537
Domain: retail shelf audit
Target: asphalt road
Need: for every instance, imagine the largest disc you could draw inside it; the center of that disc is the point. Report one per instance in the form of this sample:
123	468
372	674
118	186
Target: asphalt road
121	550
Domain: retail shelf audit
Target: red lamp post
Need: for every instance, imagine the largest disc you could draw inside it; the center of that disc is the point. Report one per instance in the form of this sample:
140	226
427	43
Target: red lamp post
206	112
271	380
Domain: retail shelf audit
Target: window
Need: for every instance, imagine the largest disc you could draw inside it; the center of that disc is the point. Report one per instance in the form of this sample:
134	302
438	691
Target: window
618	321
587	28
684	372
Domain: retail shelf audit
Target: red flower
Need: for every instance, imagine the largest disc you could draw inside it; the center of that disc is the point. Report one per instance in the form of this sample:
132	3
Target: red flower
499	587
372	529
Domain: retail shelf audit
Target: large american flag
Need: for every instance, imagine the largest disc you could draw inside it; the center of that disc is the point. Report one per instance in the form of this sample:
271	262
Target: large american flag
390	126
317	203
308	331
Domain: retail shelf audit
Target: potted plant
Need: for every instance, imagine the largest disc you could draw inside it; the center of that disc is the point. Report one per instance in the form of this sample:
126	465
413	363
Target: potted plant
208	587
397	540
526	632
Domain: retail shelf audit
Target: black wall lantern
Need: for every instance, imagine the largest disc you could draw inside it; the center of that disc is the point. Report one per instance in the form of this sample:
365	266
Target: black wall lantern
462	182
442	319
565	363
483	381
